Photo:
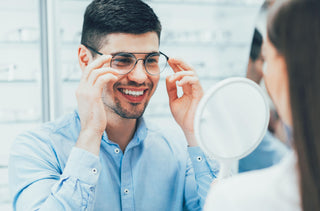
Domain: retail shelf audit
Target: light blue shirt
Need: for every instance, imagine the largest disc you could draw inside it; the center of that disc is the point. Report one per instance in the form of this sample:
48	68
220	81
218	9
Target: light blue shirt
46	171
269	152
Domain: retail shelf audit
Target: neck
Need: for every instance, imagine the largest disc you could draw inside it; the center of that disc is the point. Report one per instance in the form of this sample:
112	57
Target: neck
120	130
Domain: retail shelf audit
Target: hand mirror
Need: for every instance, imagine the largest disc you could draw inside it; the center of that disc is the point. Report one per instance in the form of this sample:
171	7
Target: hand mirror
231	120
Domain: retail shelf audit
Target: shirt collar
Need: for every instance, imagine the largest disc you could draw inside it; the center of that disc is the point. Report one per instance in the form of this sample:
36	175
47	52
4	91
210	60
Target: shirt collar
139	135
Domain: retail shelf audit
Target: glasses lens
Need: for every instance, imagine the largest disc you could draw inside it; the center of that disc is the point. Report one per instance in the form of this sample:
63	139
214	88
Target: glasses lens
156	63
123	62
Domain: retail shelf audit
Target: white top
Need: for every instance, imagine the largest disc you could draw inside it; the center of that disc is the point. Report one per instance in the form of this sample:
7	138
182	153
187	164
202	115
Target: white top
274	188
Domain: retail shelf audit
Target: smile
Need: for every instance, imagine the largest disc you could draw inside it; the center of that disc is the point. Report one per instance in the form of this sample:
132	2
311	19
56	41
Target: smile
132	92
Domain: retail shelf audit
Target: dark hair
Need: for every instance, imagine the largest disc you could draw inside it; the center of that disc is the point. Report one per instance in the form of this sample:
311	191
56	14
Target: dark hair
103	17
294	30
256	45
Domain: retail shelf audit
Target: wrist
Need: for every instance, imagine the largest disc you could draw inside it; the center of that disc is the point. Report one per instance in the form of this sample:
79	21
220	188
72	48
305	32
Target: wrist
191	138
89	140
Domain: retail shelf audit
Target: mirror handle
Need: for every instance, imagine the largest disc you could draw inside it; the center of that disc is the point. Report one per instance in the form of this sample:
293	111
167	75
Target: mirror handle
228	168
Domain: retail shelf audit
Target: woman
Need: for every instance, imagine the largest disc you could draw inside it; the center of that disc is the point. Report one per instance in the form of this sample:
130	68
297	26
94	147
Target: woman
292	52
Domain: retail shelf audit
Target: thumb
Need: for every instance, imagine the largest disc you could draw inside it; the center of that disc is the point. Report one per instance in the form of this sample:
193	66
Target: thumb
171	89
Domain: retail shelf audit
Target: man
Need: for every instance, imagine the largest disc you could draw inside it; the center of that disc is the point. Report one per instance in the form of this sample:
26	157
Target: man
256	60
104	156
270	151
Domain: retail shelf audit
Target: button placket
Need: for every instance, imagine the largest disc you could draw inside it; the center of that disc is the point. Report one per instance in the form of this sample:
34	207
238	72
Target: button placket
126	181
126	191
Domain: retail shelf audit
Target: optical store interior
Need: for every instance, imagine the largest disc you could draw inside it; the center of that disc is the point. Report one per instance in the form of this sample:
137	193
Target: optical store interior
39	68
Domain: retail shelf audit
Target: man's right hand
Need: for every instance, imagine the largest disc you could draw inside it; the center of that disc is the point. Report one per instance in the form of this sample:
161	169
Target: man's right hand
93	118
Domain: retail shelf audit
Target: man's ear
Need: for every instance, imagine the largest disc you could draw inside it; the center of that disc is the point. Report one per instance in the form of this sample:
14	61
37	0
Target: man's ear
84	56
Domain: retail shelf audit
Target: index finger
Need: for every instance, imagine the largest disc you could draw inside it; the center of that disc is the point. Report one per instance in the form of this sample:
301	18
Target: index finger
97	63
178	65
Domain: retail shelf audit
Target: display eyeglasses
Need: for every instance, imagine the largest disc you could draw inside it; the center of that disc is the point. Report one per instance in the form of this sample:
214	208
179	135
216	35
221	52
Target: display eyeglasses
124	62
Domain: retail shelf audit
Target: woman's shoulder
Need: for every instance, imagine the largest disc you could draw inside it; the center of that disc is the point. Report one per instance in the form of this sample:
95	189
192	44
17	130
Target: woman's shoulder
272	188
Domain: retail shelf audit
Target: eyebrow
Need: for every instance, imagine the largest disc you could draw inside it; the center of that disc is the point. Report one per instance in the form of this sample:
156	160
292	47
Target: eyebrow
117	52
148	53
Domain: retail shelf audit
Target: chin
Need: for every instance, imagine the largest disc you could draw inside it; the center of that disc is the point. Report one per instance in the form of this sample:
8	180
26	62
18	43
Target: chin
127	115
130	113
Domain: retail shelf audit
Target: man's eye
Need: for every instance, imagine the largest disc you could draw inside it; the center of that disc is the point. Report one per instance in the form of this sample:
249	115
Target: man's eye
153	60
122	61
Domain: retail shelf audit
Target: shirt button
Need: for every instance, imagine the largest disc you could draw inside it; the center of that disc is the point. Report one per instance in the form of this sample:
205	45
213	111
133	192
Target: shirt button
116	150
199	158
126	191
94	171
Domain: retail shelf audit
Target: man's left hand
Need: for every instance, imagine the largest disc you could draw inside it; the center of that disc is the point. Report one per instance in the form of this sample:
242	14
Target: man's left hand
183	108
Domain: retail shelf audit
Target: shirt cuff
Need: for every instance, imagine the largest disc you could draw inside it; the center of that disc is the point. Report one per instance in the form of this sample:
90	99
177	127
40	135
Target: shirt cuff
83	165
199	160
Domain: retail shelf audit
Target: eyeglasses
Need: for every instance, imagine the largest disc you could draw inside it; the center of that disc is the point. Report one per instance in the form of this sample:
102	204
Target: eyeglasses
124	62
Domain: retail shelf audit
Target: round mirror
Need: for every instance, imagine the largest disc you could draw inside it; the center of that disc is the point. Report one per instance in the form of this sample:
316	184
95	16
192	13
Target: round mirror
231	120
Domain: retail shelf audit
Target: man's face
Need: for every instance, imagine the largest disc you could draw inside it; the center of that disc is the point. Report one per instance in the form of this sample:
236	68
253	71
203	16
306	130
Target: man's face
131	93
255	69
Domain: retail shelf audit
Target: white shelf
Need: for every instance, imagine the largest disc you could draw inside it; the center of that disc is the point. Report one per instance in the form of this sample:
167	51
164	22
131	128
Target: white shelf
20	43
19	81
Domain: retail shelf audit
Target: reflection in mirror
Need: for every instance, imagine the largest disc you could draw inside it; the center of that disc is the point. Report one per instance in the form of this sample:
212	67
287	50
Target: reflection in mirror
256	65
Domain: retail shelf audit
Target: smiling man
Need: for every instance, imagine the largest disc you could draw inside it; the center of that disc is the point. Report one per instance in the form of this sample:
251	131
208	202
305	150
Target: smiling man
103	156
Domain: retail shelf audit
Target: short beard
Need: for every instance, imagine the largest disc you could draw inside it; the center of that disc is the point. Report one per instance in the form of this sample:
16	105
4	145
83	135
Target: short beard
125	113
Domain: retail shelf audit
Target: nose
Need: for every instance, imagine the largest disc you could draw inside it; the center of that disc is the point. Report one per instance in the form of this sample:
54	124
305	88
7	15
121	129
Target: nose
139	73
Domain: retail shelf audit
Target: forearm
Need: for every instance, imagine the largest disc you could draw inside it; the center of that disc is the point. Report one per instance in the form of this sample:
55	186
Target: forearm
90	141
191	139
203	174
73	190
66	194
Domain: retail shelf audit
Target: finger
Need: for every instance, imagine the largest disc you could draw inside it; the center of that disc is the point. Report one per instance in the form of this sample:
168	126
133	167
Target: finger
179	65
175	68
188	80
98	72
98	63
177	76
171	89
191	85
104	79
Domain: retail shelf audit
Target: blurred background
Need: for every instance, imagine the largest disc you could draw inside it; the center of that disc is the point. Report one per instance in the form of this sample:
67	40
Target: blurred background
39	71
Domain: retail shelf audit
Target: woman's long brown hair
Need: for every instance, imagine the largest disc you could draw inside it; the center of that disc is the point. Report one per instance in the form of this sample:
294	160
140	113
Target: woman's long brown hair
294	30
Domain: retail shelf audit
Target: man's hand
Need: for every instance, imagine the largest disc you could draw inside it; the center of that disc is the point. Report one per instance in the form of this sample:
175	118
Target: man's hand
93	118
183	108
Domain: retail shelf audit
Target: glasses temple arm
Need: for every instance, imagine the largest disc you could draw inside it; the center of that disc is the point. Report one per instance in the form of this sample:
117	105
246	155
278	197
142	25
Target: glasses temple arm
92	49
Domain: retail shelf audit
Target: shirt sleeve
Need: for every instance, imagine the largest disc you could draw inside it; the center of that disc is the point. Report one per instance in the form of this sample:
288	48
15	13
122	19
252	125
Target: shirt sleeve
199	175
37	182
268	153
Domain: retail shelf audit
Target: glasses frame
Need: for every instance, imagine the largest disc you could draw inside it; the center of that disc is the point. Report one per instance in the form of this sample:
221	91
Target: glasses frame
144	60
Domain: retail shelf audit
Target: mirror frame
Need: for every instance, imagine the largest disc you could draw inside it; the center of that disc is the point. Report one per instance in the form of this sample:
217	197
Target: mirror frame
203	103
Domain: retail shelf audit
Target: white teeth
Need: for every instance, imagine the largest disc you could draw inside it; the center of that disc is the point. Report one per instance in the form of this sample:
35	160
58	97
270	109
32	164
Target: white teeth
133	93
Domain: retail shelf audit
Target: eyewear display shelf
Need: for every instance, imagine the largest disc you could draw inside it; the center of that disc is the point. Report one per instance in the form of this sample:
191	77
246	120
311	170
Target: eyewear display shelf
20	79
